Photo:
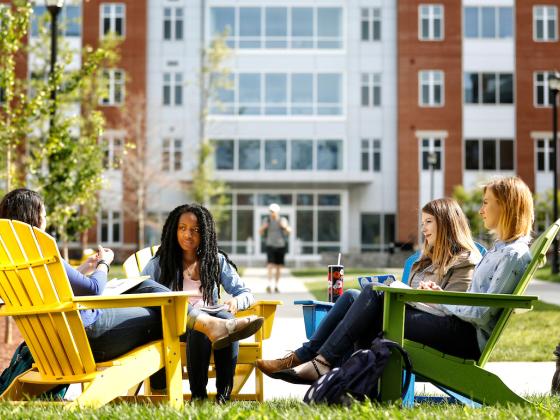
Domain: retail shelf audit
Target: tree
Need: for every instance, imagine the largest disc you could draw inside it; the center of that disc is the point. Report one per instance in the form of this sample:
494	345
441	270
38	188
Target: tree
19	111
214	77
66	160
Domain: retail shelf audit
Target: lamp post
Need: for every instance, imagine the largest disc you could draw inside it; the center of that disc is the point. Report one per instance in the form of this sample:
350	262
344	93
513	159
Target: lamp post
554	86
432	162
54	7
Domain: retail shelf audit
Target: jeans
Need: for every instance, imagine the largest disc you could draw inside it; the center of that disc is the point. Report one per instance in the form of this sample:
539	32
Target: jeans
198	361
362	322
310	349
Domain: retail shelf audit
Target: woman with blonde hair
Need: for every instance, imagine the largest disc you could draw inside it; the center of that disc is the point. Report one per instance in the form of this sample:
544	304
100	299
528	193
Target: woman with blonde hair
447	262
461	330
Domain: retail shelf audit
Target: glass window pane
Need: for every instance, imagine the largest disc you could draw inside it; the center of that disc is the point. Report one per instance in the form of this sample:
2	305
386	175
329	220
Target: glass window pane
249	154
224	227
329	199
365	30
245	199
370	231
302	155
389	228
302	94
437	28
489	154
329	155
471	22
329	27
224	154
305	199
275	155
488	88
329	221
244	225
539	29
249	93
302	27
471	88
250	27
72	20
178	30
329	94
506	155
365	161
304	228
276	93
425	28
506	22
506	89
471	154
223	20
488	22
276	27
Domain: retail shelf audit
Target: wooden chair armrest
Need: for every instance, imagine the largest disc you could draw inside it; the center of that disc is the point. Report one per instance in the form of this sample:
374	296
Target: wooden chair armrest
460	298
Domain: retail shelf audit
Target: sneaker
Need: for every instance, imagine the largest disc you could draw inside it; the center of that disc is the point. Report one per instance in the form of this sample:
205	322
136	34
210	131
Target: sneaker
276	289
269	367
268	289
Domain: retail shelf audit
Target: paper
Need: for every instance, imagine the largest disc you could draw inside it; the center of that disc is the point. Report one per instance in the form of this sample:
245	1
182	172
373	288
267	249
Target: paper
119	286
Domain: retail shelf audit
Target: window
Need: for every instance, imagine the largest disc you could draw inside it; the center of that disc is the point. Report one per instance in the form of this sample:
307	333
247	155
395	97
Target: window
223	154
371	24
371	89
69	20
113	80
278	27
171	155
545	27
173	23
113	152
431	88
377	231
110	227
430	22
542	95
371	155
172	89
112	19
488	22
279	94
544	155
431	147
488	88
489	154
281	154
329	155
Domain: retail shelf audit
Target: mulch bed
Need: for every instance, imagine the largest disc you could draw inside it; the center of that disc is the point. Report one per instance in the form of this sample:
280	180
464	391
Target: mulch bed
7	349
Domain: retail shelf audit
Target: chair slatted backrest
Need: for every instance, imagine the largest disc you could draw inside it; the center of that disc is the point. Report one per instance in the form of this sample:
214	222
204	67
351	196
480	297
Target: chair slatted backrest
135	263
538	250
32	276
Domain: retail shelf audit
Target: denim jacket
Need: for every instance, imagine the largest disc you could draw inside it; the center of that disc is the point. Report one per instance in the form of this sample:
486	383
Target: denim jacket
499	271
229	279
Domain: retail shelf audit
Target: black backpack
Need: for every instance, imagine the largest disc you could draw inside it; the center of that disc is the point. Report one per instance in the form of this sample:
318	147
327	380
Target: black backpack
21	362
358	377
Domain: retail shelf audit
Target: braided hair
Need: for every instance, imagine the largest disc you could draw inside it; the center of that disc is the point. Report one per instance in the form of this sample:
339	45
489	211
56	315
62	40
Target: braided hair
171	255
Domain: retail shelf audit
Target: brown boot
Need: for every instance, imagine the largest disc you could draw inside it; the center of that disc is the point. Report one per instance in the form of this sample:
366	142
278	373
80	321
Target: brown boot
269	367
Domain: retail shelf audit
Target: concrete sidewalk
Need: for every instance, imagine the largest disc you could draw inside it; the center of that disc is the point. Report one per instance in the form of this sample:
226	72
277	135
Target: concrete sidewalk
288	333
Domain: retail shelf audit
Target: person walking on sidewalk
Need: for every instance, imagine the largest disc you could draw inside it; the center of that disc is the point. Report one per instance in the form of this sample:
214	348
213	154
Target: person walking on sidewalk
275	231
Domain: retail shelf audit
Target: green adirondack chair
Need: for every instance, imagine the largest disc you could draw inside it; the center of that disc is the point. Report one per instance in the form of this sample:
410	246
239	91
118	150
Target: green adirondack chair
465	377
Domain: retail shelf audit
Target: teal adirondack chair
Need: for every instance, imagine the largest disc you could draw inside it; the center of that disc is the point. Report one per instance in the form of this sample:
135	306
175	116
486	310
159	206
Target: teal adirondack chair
465	377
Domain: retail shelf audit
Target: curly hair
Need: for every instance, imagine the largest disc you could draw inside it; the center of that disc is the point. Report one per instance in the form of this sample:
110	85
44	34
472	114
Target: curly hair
171	255
22	204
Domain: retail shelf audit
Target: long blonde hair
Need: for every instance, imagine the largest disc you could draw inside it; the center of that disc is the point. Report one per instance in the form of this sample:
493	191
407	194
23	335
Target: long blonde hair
516	204
452	239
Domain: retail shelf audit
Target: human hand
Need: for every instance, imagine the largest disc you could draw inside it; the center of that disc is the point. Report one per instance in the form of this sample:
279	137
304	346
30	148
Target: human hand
231	305
88	265
105	254
429	285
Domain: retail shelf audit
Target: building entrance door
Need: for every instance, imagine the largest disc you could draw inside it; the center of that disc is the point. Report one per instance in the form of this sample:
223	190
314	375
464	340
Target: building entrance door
262	215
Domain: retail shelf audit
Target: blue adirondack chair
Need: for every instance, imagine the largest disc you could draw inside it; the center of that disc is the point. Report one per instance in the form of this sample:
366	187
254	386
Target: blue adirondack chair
315	310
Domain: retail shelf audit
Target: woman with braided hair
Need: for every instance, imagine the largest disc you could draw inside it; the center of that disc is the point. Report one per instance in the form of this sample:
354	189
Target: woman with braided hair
188	259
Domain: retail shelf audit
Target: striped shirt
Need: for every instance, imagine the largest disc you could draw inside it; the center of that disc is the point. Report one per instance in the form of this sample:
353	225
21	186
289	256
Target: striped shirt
499	271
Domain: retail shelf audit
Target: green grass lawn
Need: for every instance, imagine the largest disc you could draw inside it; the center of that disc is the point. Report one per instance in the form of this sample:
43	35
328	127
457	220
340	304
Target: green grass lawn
546	274
544	408
522	340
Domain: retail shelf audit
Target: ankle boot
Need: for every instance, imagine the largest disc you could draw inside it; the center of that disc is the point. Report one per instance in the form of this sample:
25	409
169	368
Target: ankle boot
272	366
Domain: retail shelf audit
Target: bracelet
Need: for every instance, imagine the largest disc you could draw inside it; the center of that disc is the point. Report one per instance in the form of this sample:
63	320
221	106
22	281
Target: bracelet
102	262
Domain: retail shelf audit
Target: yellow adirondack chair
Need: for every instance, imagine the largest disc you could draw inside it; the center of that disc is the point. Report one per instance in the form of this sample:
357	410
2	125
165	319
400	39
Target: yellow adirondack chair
249	352
37	294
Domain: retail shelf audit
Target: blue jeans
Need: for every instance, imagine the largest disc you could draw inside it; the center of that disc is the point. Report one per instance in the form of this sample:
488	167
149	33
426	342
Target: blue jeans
358	320
199	349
